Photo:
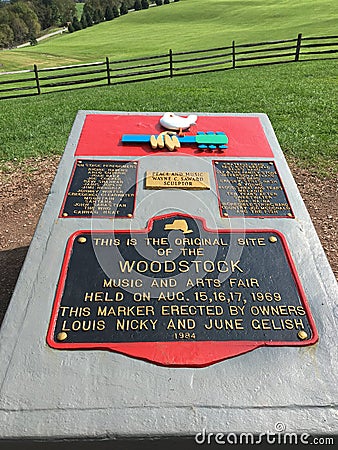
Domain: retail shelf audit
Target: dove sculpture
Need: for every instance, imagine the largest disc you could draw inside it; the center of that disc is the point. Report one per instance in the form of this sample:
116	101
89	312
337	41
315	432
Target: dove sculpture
171	121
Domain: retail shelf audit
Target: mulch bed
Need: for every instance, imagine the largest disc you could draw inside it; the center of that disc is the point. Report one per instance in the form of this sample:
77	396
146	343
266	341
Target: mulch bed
24	189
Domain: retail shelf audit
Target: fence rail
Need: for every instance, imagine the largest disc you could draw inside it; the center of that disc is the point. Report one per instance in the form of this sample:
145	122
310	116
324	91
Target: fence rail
111	72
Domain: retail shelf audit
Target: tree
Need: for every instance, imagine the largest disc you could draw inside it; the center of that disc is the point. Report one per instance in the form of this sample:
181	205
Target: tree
97	16
22	11
158	2
33	40
123	9
116	11
66	10
47	12
144	4
76	24
109	15
166	2
101	15
70	28
83	21
89	18
137	5
96	10
20	29
6	36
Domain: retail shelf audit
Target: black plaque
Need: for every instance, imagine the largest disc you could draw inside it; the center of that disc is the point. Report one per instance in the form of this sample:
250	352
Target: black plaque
177	281
250	188
101	188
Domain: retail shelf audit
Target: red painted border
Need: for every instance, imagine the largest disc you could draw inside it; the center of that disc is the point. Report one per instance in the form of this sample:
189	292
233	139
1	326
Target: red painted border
178	354
252	217
98	217
101	136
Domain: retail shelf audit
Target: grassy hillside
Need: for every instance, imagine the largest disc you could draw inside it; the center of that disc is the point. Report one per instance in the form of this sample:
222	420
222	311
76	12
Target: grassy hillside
300	100
185	25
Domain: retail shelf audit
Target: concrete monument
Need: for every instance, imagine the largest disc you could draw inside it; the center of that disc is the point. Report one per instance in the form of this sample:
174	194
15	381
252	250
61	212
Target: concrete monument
175	291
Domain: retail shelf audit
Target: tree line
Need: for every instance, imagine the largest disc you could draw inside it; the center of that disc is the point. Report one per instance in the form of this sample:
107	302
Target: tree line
23	20
96	11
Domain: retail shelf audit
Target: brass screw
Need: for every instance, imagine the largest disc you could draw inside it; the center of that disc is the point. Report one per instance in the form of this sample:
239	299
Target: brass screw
62	336
271	163
65	214
302	335
225	214
273	239
82	240
129	215
289	214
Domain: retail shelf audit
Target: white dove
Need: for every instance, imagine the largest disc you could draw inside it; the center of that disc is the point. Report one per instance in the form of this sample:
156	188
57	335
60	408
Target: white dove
171	121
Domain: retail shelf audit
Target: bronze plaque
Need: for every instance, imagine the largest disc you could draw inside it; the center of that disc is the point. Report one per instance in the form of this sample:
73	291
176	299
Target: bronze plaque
250	188
177	180
178	293
101	189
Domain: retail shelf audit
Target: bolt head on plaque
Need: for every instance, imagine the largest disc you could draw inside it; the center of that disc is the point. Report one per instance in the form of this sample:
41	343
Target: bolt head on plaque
62	336
302	335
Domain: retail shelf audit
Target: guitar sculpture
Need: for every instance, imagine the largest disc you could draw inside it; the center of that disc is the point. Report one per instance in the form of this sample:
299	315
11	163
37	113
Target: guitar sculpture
209	141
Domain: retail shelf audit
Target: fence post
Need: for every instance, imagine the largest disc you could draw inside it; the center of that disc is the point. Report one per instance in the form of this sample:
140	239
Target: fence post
108	70
233	55
37	79
171	69
299	42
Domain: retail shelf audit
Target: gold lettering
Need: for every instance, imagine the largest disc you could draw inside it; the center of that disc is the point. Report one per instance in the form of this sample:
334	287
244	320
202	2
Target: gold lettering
83	325
181	324
246	283
224	324
136	324
103	297
182	266
280	324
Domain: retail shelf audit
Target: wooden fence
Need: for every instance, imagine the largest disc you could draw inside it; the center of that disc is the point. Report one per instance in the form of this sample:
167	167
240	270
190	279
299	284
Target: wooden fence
109	72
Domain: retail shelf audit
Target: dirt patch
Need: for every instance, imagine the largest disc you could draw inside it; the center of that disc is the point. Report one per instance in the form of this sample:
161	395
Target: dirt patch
23	192
24	189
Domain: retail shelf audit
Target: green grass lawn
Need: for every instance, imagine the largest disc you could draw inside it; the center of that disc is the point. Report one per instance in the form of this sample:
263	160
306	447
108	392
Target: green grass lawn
181	26
299	98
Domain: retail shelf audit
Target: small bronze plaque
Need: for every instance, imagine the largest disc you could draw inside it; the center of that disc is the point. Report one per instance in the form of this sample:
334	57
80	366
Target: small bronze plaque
177	180
101	189
179	294
250	188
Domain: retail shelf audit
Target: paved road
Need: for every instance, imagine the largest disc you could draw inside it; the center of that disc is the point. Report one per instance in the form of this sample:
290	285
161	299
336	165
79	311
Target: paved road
45	36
